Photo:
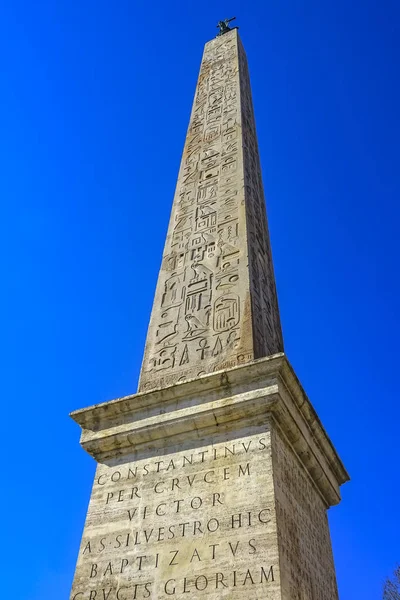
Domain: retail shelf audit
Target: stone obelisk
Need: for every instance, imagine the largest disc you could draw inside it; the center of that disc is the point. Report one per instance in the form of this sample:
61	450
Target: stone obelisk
215	304
213	481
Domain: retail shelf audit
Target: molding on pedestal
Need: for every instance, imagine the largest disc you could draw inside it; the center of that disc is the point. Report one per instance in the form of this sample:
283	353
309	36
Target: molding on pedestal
264	390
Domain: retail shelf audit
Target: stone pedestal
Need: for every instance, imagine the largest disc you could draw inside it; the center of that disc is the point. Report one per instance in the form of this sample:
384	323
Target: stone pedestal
213	488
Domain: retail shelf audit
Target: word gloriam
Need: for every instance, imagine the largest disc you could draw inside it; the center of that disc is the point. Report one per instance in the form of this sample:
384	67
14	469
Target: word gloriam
188	585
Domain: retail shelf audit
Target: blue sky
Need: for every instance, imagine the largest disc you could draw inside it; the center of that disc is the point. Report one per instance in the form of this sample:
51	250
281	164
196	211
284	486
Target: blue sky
95	101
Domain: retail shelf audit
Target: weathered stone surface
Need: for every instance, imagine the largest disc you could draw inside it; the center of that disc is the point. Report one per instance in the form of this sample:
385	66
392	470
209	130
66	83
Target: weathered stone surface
214	480
215	304
215	488
306	561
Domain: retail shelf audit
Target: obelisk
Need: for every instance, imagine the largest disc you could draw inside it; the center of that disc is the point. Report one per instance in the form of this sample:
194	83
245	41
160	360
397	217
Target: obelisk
215	304
213	481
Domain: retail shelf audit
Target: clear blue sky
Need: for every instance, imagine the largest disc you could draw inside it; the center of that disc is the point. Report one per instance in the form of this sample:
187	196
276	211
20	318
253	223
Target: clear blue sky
95	101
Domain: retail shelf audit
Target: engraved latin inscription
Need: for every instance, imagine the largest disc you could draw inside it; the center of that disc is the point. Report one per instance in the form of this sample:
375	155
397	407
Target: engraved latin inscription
181	523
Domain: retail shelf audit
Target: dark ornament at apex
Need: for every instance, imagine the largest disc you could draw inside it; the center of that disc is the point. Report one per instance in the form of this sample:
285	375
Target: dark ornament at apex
223	26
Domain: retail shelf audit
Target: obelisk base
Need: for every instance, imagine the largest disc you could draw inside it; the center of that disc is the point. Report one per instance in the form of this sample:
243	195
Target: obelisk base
213	488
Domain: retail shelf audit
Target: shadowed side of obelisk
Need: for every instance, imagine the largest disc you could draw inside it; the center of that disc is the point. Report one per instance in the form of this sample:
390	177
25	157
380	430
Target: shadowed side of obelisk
267	333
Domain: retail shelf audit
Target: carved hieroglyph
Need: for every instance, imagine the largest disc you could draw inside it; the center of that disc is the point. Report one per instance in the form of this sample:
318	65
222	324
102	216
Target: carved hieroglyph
215	304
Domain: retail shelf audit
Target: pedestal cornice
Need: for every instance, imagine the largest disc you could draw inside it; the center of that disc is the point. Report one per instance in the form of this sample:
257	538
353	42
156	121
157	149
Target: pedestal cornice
264	390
